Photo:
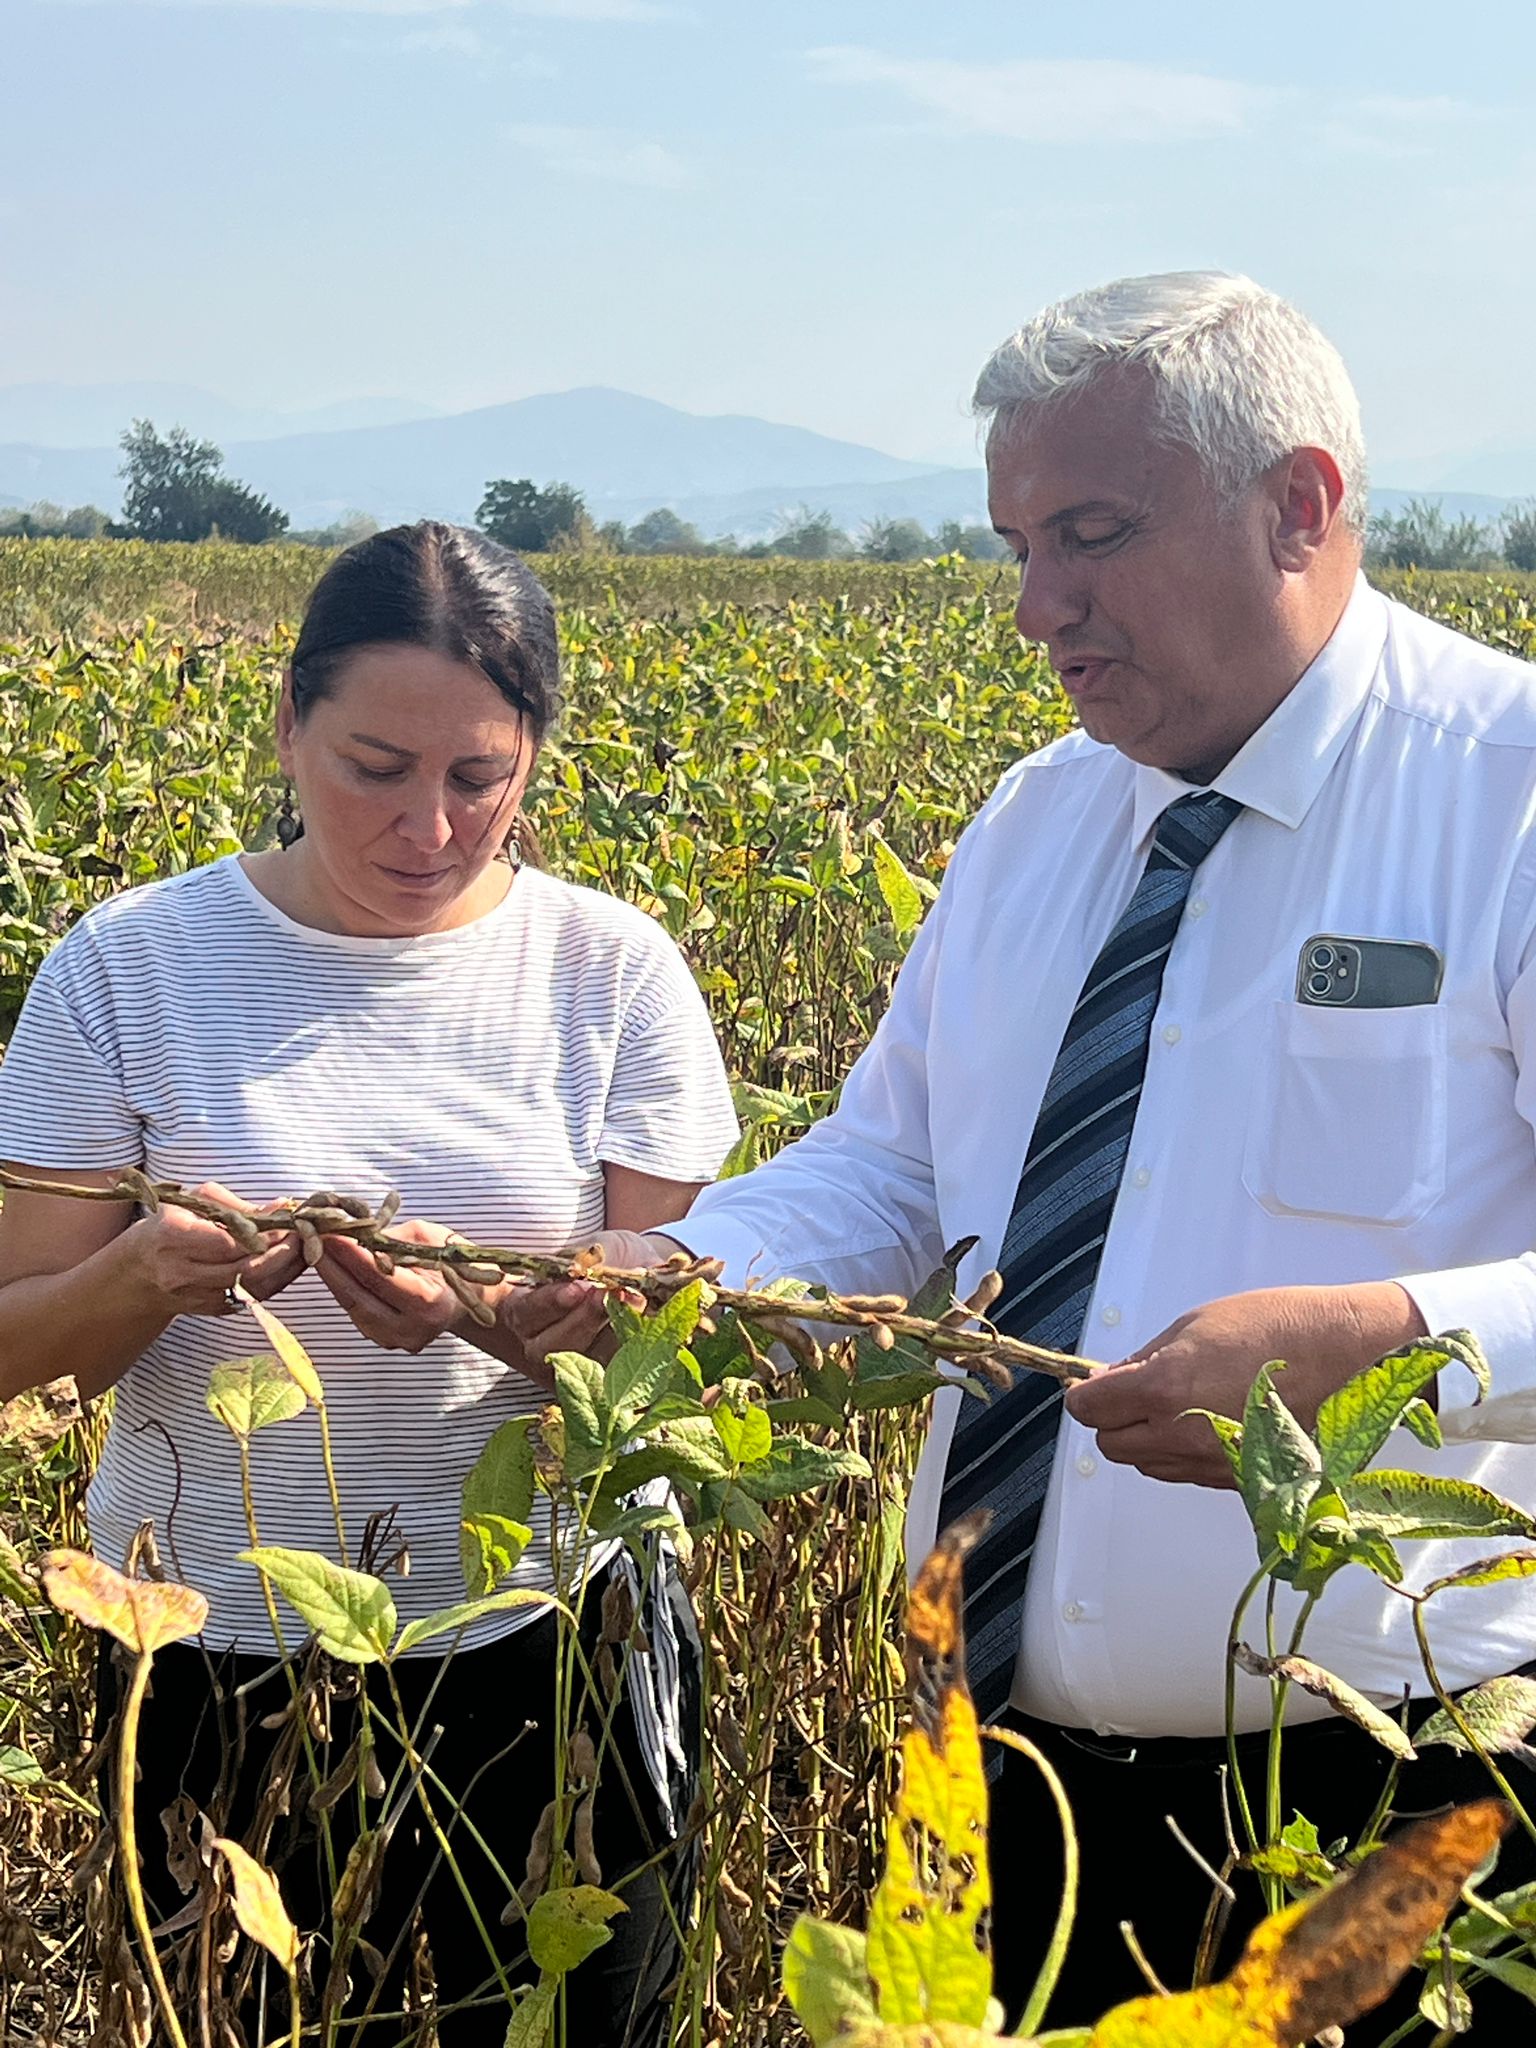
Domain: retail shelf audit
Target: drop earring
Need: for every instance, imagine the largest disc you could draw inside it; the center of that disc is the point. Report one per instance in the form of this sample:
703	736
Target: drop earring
514	846
290	826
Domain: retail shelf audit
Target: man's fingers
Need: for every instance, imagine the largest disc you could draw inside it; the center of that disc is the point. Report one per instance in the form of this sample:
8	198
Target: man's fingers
1112	1399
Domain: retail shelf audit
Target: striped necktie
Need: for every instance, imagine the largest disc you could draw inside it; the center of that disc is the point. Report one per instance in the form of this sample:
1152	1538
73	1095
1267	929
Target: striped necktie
1000	1457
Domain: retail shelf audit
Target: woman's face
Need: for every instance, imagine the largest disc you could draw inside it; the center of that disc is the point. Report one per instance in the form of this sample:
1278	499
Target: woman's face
408	776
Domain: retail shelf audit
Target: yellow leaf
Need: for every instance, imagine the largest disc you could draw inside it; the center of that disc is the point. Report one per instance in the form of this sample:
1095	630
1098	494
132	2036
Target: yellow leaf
1326	1961
288	1348
145	1614
929	1957
259	1904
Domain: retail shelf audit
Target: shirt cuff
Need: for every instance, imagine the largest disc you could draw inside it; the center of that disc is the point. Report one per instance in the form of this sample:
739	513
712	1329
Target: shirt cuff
738	1246
1497	1303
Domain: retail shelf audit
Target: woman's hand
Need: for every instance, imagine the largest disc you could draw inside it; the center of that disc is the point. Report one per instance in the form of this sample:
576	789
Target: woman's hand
186	1265
405	1310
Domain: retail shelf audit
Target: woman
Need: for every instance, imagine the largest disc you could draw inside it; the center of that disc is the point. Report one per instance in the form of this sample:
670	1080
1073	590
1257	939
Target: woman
391	1001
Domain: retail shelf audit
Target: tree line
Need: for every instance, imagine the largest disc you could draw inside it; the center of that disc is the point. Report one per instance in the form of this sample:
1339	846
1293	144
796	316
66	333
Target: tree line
175	488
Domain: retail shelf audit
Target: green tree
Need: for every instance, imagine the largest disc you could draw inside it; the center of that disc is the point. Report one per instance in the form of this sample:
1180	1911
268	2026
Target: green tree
1422	537
174	489
1517	538
520	515
975	543
809	536
894	540
53	522
662	533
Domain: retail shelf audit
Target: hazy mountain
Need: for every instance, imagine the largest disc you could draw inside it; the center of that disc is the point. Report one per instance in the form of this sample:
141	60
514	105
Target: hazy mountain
622	451
726	473
94	415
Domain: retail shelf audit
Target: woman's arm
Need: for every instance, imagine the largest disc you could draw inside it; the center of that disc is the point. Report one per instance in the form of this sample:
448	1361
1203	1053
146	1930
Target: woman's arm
84	1289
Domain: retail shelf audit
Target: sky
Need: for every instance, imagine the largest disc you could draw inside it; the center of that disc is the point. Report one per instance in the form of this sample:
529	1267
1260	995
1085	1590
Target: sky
818	213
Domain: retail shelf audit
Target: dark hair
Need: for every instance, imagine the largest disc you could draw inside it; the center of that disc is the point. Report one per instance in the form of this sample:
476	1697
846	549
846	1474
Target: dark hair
443	587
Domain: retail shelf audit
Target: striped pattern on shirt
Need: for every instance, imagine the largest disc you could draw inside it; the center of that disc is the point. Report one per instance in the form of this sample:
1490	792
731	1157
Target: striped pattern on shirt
488	1073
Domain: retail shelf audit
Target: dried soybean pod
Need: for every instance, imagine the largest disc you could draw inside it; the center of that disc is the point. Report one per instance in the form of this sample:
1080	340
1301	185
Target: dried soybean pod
883	1335
540	1851
581	1841
384	1262
583	1760
323	1797
387	1210
988	1288
479	1308
326	1216
143	1190
481	1274
309	1240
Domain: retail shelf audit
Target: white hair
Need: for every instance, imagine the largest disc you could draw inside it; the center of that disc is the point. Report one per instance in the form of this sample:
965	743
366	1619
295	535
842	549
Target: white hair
1242	378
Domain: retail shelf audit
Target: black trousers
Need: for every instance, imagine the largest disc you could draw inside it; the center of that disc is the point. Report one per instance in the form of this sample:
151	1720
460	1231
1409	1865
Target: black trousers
484	1696
1133	1868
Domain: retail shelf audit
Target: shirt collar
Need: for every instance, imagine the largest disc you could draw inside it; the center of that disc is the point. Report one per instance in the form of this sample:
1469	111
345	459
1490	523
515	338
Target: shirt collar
1283	766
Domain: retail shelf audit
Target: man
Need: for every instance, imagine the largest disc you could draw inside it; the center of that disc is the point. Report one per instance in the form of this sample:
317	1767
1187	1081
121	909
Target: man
1099	1058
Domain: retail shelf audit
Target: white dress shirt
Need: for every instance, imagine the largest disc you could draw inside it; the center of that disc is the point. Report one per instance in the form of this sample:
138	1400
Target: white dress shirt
1391	795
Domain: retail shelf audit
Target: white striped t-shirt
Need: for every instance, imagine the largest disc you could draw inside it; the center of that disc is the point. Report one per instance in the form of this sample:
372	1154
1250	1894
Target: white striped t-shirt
191	1028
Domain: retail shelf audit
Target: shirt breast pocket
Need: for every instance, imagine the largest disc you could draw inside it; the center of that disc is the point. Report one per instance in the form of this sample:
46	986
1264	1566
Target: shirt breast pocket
1347	1121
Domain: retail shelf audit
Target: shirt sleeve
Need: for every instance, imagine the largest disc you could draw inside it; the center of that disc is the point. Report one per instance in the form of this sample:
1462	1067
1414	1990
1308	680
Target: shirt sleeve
851	1205
1496	1302
63	1100
669	1109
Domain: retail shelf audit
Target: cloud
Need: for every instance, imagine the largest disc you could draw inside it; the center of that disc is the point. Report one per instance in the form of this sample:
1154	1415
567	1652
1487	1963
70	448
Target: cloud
597	154
1094	100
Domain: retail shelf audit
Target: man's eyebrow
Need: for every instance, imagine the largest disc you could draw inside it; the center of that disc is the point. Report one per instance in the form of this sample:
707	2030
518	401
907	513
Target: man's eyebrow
1088	508
366	739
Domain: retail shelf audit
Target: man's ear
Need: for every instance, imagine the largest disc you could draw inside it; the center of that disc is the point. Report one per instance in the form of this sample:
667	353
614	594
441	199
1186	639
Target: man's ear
1309	497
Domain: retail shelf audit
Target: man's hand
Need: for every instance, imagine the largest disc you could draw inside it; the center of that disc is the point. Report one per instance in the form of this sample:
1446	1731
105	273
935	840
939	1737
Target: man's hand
1210	1358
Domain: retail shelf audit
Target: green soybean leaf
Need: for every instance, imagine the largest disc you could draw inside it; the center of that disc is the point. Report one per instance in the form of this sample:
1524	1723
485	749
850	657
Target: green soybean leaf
490	1549
1500	1713
583	1402
1280	1468
564	1927
1355	1421
746	1434
795	1466
654	1358
351	1613
500	1482
1412	1504
1422	1421
744	1155
1509	1971
1478	1931
1446	2006
897	887
826	1979
1229	1434
248	1394
532	2015
448	1620
1487	1571
18	1768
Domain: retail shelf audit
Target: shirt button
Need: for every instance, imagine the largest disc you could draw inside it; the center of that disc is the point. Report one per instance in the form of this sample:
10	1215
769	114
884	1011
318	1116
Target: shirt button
1087	1466
1141	1177
1199	907
1071	1612
1110	1315
1171	1034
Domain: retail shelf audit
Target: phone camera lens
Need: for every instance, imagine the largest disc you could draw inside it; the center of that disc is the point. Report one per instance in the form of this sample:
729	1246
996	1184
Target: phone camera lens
1320	984
1323	957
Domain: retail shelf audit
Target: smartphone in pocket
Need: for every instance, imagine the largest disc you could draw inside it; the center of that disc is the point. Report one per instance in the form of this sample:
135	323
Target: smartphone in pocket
1367	974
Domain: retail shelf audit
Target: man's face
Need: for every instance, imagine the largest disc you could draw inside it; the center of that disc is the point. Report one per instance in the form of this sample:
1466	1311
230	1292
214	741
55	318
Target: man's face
1157	603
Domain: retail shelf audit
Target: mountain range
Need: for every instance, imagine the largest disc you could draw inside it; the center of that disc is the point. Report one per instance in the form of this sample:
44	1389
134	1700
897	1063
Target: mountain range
397	460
